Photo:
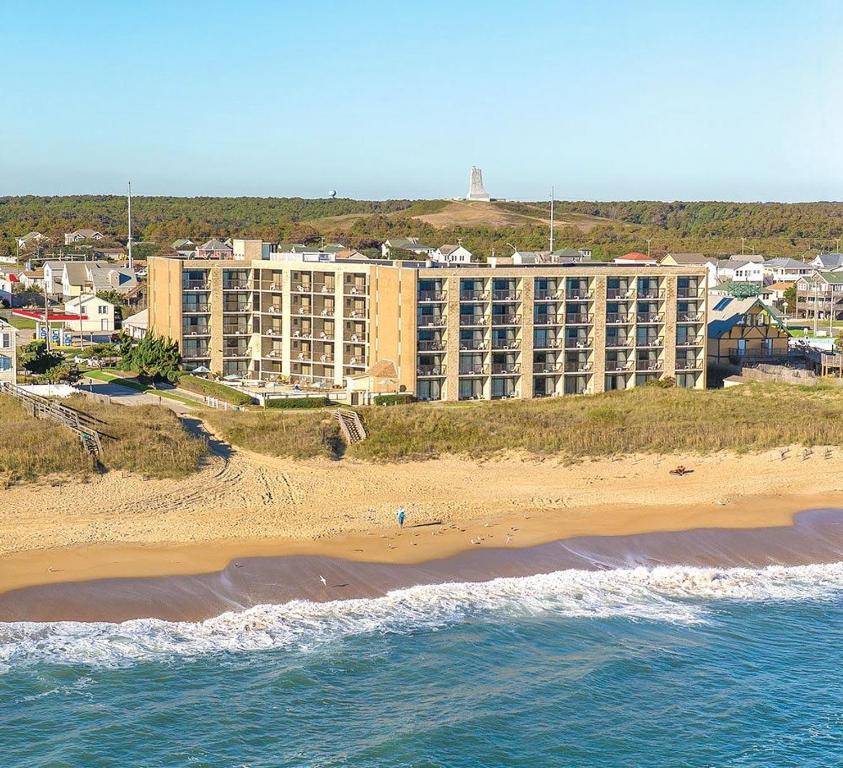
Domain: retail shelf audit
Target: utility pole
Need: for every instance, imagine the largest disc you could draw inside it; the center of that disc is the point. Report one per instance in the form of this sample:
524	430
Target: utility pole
743	240
551	219
131	263
649	240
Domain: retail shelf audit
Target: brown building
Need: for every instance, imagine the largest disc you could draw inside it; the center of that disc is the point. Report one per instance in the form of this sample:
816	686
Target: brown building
451	332
743	331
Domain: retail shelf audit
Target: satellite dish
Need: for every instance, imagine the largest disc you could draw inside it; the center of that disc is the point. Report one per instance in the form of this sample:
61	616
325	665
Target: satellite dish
332	194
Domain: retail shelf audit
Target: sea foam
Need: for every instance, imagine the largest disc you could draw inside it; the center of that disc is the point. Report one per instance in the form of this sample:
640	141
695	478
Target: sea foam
674	594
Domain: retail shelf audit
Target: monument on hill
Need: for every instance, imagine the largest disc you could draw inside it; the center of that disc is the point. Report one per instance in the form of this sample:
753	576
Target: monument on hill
476	190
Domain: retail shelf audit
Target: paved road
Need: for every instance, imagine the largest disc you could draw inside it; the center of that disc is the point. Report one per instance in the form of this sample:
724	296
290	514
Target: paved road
125	396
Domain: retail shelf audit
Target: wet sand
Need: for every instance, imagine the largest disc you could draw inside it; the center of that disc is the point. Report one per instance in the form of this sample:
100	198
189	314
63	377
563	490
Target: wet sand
816	536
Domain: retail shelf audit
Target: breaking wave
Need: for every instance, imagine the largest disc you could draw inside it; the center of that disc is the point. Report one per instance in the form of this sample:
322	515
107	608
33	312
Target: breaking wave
673	594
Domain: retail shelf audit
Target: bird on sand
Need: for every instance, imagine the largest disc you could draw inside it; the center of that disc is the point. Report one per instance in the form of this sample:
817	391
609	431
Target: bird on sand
324	581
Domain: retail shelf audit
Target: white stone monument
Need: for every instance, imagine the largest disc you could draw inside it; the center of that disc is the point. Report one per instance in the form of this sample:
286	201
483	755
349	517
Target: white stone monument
476	190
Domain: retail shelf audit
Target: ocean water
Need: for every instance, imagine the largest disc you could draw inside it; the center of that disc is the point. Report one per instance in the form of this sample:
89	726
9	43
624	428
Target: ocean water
664	667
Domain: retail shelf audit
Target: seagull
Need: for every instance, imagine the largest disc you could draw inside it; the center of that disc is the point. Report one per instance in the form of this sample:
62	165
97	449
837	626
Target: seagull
324	581
508	539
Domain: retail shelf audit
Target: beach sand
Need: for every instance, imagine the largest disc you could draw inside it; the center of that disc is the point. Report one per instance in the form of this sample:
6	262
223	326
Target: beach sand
243	504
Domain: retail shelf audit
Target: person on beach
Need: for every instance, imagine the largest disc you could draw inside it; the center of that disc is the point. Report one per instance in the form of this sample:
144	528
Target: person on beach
400	516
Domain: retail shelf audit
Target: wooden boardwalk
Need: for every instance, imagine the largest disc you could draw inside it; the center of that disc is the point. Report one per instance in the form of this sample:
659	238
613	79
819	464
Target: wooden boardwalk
351	425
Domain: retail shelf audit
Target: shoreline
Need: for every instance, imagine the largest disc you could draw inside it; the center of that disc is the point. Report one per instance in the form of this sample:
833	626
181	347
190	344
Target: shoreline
810	537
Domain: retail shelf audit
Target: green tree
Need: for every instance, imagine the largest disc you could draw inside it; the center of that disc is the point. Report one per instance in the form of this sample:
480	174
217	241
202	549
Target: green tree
790	297
37	359
154	357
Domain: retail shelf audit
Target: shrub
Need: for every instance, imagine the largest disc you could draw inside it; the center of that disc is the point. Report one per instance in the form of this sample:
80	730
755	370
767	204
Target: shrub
298	402
213	389
402	399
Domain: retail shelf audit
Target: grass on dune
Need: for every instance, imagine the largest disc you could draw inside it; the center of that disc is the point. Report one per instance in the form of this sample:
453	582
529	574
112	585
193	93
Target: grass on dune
644	420
148	440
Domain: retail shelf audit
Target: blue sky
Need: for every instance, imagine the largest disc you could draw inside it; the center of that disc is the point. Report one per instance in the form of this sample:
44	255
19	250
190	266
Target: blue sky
608	100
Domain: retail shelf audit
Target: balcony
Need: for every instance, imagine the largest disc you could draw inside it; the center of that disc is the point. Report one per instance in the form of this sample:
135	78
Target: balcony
619	318
192	309
548	343
548	319
429	370
196	331
236	285
327	288
272	309
649	317
690	317
578	319
617	366
506	319
426	345
547	294
431	321
236	309
235	352
474	295
618	343
688	293
649	366
275	354
467	345
474	370
501	369
355	314
506	344
618	293
688	365
302	287
354	289
427	297
578	343
468	320
541	368
506	295
578	366
651	342
577	294
196	285
271	332
696	341
236	330
648	293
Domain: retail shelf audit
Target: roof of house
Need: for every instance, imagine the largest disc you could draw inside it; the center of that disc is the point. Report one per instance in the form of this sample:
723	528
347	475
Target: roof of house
138	320
688	258
568	253
383	369
447	250
636	256
727	311
350	253
755	258
182	242
86	232
782	285
832	278
736	263
408	244
30	236
33	274
830	260
786	262
214	245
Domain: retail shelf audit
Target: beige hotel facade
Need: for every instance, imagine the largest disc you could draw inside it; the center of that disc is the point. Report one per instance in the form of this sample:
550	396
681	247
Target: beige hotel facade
479	331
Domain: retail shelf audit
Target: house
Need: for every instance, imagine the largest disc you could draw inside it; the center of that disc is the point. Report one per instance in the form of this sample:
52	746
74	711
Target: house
451	254
80	235
561	256
214	249
136	326
8	352
785	270
53	274
93	276
825	261
774	293
636	258
738	270
30	240
96	315
349	253
696	259
106	254
744	330
32	279
183	244
820	295
410	244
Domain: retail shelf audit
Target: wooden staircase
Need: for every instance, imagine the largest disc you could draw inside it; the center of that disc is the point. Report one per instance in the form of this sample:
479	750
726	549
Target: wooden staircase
77	422
351	425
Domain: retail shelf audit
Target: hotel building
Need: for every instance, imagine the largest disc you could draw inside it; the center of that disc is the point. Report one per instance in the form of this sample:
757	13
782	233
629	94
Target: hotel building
476	331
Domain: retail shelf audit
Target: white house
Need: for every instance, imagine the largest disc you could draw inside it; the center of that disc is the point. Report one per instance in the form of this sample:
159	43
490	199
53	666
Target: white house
98	315
741	271
8	352
53	275
785	270
80	235
30	239
411	244
451	254
827	261
136	326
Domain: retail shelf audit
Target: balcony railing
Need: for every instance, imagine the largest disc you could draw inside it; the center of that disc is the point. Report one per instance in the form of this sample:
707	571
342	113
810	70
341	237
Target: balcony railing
573	294
426	345
549	319
271	331
696	341
690	317
234	330
427	296
236	286
652	341
429	370
648	293
578	343
474	370
649	317
547	368
354	290
619	318
615	366
688	293
196	308
506	295
548	343
618	293
196	285
474	320
614	342
235	352
546	294
688	365
323	288
474	295
578	366
502	369
649	365
506	319
357	314
302	288
473	344
578	319
430	321
506	344
236	308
